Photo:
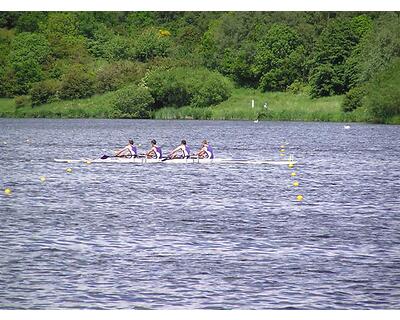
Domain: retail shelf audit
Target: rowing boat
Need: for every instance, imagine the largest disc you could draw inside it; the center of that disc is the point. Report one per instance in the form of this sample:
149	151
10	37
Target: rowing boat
181	161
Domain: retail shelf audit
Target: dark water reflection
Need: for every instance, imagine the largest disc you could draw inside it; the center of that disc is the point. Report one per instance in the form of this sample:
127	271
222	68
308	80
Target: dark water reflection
200	236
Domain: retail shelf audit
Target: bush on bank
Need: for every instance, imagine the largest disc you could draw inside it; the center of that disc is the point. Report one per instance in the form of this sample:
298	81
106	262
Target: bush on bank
383	97
186	86
77	83
45	91
133	102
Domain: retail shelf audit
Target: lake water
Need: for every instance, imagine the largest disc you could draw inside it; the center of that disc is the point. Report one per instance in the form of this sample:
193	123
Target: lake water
217	236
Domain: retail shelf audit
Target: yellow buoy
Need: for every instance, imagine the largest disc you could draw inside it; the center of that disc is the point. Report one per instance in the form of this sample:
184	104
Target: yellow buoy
291	165
282	154
42	178
293	174
296	183
282	146
88	162
69	170
299	197
7	191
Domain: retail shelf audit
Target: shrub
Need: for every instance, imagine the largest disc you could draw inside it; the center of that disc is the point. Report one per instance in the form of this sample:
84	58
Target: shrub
114	75
151	44
211	90
353	99
117	48
133	102
22	101
45	91
187	86
298	87
77	83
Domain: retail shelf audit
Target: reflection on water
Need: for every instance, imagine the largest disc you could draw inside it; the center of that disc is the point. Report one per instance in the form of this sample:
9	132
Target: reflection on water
161	236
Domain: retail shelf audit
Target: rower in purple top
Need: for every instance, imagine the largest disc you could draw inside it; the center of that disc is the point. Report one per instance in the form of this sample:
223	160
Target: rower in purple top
206	151
180	152
128	151
154	152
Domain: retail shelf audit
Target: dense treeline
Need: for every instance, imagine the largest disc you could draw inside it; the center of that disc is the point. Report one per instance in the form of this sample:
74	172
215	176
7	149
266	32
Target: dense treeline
151	60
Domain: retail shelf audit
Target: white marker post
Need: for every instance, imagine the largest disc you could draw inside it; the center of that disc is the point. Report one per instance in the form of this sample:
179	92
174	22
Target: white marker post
252	103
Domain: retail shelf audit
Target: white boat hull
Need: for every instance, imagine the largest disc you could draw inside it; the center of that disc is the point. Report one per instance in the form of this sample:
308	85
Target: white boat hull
178	161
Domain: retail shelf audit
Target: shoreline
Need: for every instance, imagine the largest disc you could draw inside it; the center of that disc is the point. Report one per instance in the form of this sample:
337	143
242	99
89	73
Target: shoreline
281	106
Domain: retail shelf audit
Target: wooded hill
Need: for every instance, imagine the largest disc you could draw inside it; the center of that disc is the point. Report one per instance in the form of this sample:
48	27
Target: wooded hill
151	60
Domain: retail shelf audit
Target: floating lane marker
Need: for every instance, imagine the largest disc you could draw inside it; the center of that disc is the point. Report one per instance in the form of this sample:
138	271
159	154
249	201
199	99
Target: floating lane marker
293	174
296	183
88	162
7	191
299	197
42	179
291	165
69	170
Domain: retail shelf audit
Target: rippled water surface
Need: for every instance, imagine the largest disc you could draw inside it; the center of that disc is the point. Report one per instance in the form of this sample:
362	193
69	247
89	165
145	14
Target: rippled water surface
218	236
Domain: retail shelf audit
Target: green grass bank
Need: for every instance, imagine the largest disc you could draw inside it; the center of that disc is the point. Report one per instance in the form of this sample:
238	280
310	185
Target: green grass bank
280	106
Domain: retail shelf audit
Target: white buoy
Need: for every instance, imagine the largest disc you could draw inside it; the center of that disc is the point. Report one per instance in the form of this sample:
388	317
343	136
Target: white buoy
256	121
347	127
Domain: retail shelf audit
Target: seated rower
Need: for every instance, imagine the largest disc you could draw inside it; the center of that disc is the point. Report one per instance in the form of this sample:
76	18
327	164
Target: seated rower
129	151
206	151
154	152
183	149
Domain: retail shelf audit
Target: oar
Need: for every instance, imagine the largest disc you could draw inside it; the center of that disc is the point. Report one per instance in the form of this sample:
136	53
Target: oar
167	158
106	156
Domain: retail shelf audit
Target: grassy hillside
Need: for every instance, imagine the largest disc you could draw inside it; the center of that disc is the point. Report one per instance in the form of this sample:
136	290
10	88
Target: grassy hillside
280	106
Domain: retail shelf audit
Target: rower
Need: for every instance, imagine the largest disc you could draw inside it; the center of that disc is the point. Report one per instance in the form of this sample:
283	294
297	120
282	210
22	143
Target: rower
155	151
206	151
184	151
129	151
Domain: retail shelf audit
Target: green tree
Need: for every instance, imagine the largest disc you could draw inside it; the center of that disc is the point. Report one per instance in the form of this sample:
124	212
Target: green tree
6	37
8	19
137	21
61	30
29	21
29	52
151	44
383	93
222	41
379	47
280	58
98	43
333	47
118	48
